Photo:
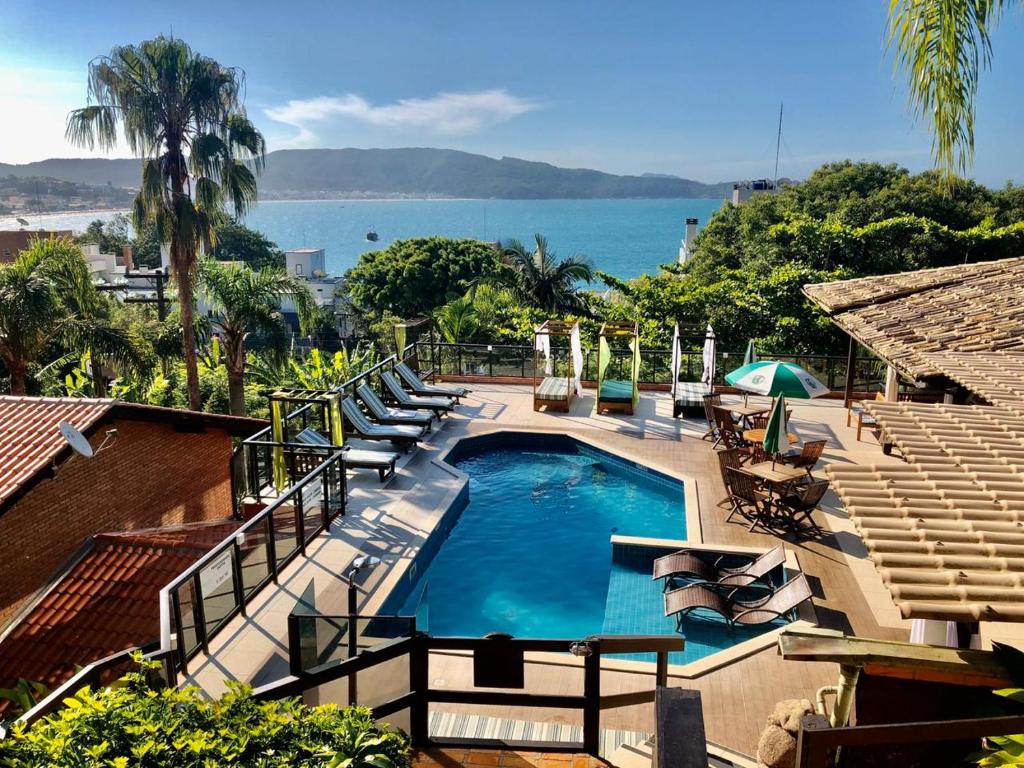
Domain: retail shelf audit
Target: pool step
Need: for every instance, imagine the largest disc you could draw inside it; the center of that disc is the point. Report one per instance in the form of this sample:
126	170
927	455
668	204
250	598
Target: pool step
642	756
451	724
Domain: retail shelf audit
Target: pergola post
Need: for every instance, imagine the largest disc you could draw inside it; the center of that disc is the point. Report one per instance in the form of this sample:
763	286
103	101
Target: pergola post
851	364
892	385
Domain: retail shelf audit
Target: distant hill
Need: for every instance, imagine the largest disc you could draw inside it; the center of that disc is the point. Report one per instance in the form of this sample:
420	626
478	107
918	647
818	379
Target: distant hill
414	172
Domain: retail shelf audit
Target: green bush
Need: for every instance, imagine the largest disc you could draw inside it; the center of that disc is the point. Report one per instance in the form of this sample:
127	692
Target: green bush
132	725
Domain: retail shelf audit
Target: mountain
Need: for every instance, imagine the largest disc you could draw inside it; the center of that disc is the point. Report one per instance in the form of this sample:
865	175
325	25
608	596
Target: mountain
414	172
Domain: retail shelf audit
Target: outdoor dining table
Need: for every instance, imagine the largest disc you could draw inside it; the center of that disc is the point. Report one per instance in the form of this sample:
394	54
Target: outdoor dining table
778	479
745	412
757	436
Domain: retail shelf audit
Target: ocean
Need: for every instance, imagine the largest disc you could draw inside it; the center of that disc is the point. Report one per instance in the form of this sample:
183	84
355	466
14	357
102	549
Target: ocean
624	238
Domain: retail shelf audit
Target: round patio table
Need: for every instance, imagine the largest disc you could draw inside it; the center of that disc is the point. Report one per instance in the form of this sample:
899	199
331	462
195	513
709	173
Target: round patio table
757	436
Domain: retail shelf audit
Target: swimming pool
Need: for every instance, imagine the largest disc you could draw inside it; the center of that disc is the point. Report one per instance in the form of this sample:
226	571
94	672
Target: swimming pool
530	553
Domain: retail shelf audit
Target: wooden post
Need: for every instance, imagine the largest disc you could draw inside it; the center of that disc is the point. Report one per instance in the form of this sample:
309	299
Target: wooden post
851	364
680	741
418	681
592	696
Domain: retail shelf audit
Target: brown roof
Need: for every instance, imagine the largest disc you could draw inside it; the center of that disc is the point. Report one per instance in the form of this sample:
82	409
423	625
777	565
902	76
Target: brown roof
908	316
106	602
30	442
13	242
946	529
998	377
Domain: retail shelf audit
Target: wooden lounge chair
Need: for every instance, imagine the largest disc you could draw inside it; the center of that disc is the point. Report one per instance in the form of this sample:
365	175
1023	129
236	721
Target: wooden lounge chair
798	508
710	403
747	501
779	604
355	458
417	386
808	456
439	405
694	563
403	435
385	415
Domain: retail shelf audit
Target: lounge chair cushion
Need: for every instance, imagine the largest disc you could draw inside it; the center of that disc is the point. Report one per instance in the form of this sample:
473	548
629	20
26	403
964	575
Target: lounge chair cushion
691	393
413	379
616	391
553	388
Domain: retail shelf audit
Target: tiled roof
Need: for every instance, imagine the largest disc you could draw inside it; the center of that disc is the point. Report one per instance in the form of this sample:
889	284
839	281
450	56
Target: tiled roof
998	377
29	440
908	316
106	602
945	530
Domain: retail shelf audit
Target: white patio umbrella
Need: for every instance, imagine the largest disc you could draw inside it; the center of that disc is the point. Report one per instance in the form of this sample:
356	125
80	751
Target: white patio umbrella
708	376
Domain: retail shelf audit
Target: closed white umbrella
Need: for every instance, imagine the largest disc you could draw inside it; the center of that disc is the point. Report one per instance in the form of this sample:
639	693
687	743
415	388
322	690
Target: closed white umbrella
708	376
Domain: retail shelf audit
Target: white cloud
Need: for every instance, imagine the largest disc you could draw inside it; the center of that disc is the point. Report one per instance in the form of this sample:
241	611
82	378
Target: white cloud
448	114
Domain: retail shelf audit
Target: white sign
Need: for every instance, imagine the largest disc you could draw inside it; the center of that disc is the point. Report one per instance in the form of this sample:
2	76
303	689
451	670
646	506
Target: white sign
216	572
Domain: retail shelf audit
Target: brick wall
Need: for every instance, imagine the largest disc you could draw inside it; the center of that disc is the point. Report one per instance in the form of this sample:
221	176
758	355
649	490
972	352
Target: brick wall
151	476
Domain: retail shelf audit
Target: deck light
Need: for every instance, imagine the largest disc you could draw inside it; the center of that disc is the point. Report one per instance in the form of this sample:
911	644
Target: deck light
361	563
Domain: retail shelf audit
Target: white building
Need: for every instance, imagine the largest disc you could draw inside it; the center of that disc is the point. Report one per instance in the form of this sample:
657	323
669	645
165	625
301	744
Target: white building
310	264
745	190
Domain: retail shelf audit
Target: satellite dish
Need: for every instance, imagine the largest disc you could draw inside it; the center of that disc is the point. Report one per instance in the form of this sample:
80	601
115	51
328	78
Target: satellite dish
23	222
75	439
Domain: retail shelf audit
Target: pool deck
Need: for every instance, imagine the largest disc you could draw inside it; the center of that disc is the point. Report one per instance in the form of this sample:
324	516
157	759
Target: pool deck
394	520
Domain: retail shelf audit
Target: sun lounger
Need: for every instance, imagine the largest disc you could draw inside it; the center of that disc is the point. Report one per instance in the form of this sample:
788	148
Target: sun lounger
439	405
554	393
355	458
385	415
689	394
419	387
689	562
780	603
402	435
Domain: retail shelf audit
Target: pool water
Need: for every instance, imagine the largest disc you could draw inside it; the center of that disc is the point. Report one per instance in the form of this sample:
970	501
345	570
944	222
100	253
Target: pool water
530	554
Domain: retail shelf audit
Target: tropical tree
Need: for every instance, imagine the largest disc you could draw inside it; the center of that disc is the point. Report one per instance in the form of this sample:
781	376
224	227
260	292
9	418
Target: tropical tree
942	46
538	278
456	319
182	113
245	301
46	296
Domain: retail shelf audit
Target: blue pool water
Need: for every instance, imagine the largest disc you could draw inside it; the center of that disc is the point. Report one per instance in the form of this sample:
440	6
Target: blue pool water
530	552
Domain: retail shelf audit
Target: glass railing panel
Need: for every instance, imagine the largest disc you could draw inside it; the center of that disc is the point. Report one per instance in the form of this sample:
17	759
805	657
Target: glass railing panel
188	637
286	532
255	557
217	582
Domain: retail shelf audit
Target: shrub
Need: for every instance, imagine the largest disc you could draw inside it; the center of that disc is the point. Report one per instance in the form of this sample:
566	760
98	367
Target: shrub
132	725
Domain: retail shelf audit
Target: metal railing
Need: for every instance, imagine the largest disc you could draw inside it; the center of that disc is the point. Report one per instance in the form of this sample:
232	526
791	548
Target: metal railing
516	361
321	653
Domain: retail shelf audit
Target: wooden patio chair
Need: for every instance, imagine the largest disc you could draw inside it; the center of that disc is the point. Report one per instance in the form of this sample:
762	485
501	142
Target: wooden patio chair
710	403
779	604
759	422
748	501
730	457
808	456
730	434
798	508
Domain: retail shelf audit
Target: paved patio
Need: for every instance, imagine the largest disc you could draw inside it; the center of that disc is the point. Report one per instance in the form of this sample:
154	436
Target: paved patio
393	521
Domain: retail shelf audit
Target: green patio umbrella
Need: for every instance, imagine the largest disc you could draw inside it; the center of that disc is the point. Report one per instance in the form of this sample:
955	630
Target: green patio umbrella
776	434
772	378
750	356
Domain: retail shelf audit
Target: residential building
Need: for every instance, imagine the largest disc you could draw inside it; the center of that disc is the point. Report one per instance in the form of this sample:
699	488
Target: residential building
744	190
13	242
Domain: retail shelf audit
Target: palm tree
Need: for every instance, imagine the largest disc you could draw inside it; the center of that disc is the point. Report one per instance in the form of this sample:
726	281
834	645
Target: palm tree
942	46
244	301
542	281
182	113
456	319
46	296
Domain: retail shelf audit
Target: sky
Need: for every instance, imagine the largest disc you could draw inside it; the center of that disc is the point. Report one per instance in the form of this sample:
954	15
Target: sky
682	87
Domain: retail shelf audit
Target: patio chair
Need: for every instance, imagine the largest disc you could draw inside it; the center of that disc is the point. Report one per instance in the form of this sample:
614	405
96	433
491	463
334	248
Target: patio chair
747	501
710	402
355	458
730	436
808	456
419	387
759	422
798	508
730	457
439	405
779	604
385	415
690	562
402	435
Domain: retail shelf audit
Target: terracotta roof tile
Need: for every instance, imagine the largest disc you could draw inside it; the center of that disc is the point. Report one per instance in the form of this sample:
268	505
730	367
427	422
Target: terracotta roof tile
29	440
107	601
945	530
908	317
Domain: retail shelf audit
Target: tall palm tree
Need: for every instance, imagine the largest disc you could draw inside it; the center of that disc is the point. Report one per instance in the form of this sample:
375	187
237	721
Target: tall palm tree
538	278
244	301
941	47
182	113
46	296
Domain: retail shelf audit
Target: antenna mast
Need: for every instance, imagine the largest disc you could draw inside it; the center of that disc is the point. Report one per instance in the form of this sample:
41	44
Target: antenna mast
778	141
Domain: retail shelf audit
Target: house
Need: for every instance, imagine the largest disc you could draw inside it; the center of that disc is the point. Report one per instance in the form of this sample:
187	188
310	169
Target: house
87	543
13	242
310	265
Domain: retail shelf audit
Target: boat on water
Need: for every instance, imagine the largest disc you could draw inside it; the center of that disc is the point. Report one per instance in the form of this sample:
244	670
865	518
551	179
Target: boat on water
372	236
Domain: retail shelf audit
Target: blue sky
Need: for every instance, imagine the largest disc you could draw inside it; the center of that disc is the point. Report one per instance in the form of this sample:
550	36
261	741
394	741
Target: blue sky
691	88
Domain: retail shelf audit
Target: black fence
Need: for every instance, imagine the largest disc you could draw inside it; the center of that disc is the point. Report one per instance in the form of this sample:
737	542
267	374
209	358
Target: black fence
517	361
